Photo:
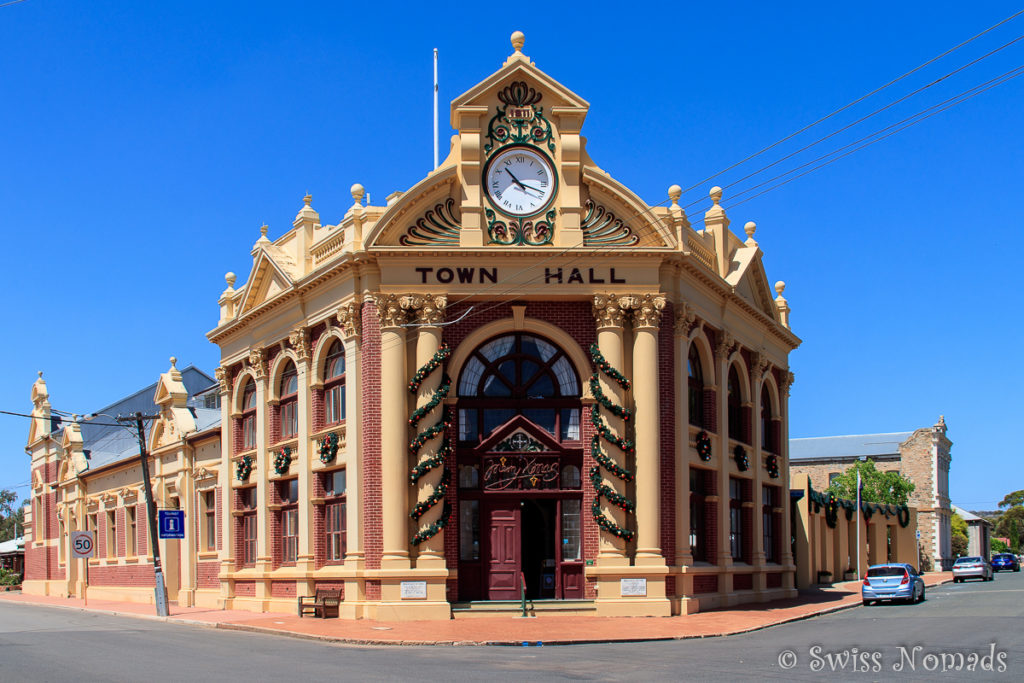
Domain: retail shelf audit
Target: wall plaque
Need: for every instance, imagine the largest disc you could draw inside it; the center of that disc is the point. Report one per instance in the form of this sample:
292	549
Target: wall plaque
633	588
414	590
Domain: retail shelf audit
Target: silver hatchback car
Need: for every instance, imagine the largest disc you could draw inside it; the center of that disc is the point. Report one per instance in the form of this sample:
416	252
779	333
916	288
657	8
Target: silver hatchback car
895	581
971	568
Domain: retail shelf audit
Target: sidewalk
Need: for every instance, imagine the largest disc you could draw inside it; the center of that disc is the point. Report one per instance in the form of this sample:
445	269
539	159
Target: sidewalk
498	630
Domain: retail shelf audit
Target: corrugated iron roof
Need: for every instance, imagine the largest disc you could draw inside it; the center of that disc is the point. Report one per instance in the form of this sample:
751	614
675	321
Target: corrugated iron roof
855	445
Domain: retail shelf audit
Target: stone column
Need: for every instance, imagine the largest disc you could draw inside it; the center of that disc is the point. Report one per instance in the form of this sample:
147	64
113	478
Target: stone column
788	579
393	429
264	558
428	342
609	317
226	552
299	341
646	320
350	318
757	455
683	324
723	349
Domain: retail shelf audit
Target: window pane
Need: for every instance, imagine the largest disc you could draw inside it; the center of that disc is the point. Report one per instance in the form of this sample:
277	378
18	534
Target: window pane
289	381
542	417
535	346
570	477
468	429
542	388
496	417
567	381
497	348
570	530
470	379
469	530
570	424
495	387
338	483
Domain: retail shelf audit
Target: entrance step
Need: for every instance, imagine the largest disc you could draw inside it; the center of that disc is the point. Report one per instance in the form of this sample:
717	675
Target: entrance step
534	608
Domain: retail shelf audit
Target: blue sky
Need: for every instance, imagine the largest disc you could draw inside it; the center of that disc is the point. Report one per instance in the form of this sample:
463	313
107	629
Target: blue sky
142	145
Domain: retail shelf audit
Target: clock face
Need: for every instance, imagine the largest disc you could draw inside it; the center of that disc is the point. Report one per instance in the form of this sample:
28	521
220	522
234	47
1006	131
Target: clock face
520	181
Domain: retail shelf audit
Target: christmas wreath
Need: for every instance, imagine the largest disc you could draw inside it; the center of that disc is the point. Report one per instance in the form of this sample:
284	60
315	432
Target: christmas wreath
283	460
740	455
704	446
329	447
243	468
772	465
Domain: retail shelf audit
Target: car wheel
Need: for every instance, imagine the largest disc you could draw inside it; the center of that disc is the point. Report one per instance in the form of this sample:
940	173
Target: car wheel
956	580
867	603
921	599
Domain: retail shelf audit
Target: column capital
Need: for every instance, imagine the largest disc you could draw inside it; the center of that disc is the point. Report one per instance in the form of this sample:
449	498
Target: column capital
430	310
222	379
257	363
787	381
348	316
608	310
685	320
724	346
391	309
299	341
646	310
759	365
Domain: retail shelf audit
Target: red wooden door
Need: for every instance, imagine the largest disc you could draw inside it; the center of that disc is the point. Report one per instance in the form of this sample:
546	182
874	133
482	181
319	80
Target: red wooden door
504	552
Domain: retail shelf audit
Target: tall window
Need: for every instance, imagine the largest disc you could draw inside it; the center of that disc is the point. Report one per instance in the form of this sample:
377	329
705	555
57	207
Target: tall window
111	533
695	387
247	505
767	424
736	519
769	501
289	493
571	533
249	416
698	518
735	406
130	531
334	511
289	396
334	384
210	519
531	376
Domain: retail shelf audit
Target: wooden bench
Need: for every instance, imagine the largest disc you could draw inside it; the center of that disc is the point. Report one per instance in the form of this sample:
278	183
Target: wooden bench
324	604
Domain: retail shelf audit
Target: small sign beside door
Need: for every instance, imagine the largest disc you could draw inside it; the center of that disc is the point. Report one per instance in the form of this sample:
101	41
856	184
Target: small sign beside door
633	588
414	590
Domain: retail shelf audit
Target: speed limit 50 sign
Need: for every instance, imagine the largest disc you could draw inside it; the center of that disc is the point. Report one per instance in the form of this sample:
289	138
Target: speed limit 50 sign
83	544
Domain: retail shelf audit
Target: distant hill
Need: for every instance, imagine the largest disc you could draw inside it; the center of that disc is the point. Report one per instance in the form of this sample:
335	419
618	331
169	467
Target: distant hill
987	514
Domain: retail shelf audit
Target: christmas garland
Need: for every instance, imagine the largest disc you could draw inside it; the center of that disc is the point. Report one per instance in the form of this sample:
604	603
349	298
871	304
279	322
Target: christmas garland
740	455
772	465
283	460
828	500
704	446
243	468
831	510
438	459
603	459
328	447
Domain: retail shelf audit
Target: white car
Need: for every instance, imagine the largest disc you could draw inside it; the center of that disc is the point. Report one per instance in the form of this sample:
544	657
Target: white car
971	568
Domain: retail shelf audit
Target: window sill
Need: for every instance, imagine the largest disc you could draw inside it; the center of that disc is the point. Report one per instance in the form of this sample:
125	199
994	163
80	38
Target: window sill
208	555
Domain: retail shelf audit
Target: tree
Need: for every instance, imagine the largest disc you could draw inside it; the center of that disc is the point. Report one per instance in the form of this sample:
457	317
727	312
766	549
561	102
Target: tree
878	486
998	546
1010	523
959	536
1014	499
11	517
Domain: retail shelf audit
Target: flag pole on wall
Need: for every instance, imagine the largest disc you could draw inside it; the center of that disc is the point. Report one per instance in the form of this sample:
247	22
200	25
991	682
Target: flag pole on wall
435	107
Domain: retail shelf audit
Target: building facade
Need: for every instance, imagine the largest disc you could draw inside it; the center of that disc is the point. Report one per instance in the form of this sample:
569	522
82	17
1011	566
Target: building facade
922	456
515	377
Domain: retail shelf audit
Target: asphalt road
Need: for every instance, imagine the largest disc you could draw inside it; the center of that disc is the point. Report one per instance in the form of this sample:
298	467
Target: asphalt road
882	642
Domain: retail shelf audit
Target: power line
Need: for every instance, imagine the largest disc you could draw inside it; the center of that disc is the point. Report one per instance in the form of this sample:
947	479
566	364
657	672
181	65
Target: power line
856	101
12	2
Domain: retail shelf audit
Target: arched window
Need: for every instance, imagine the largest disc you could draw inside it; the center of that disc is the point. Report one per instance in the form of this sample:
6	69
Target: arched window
334	384
735	406
288	392
767	425
519	374
249	416
695	387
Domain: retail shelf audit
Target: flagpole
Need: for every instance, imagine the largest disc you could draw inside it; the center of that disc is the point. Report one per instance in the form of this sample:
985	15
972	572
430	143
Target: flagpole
435	107
859	515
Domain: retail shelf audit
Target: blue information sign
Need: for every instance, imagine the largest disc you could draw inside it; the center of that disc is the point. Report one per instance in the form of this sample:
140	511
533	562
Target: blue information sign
171	523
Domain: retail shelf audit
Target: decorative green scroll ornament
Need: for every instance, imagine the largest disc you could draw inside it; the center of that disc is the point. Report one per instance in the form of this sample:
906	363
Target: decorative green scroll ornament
520	120
438	459
243	468
534	233
283	460
603	459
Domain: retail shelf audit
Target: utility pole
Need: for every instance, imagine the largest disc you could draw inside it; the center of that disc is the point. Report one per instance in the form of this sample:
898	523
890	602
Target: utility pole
160	589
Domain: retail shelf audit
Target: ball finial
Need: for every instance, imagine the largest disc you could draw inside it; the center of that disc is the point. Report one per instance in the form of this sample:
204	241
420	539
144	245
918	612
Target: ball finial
749	228
716	194
263	230
674	193
230	278
174	361
40	374
518	40
357	193
308	199
780	287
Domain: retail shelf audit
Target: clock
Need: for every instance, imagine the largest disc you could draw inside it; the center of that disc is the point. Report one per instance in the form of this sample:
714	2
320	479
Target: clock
520	181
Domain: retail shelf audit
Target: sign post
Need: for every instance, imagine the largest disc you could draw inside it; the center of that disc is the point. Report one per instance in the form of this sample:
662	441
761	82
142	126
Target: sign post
83	546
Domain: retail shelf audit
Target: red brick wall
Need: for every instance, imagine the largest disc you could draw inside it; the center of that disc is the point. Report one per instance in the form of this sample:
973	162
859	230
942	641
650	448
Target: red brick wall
332	585
207	574
136	575
274	525
742	582
773	580
705	583
373	543
667	434
319	524
245	589
282	589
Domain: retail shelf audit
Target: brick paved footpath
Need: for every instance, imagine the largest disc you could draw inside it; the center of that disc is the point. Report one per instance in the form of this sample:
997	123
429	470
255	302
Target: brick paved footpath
504	630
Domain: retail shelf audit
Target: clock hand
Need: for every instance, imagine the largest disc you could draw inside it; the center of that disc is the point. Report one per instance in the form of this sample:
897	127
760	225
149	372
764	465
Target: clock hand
525	187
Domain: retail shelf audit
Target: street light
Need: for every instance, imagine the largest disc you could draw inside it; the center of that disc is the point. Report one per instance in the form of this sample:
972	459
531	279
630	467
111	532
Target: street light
160	588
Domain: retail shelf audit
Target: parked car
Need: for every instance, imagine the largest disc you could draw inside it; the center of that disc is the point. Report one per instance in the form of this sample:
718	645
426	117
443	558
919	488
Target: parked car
1005	562
971	568
895	581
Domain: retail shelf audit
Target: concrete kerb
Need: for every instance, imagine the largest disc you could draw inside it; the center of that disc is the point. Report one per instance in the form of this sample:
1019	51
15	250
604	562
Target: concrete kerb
370	642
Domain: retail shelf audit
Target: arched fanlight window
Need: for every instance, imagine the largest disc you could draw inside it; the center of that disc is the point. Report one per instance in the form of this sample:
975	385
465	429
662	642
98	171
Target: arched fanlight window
767	424
519	374
334	384
288	392
735	405
249	415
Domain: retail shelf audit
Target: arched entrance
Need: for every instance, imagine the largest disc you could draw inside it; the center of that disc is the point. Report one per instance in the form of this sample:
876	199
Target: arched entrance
519	471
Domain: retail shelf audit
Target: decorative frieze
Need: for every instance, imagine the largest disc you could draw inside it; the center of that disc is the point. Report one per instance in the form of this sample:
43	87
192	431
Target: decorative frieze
724	347
647	310
222	379
257	363
686	319
299	341
389	307
607	310
350	319
431	310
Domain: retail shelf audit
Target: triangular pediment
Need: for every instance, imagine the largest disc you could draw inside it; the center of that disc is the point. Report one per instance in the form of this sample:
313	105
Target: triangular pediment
266	280
748	278
519	69
519	435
